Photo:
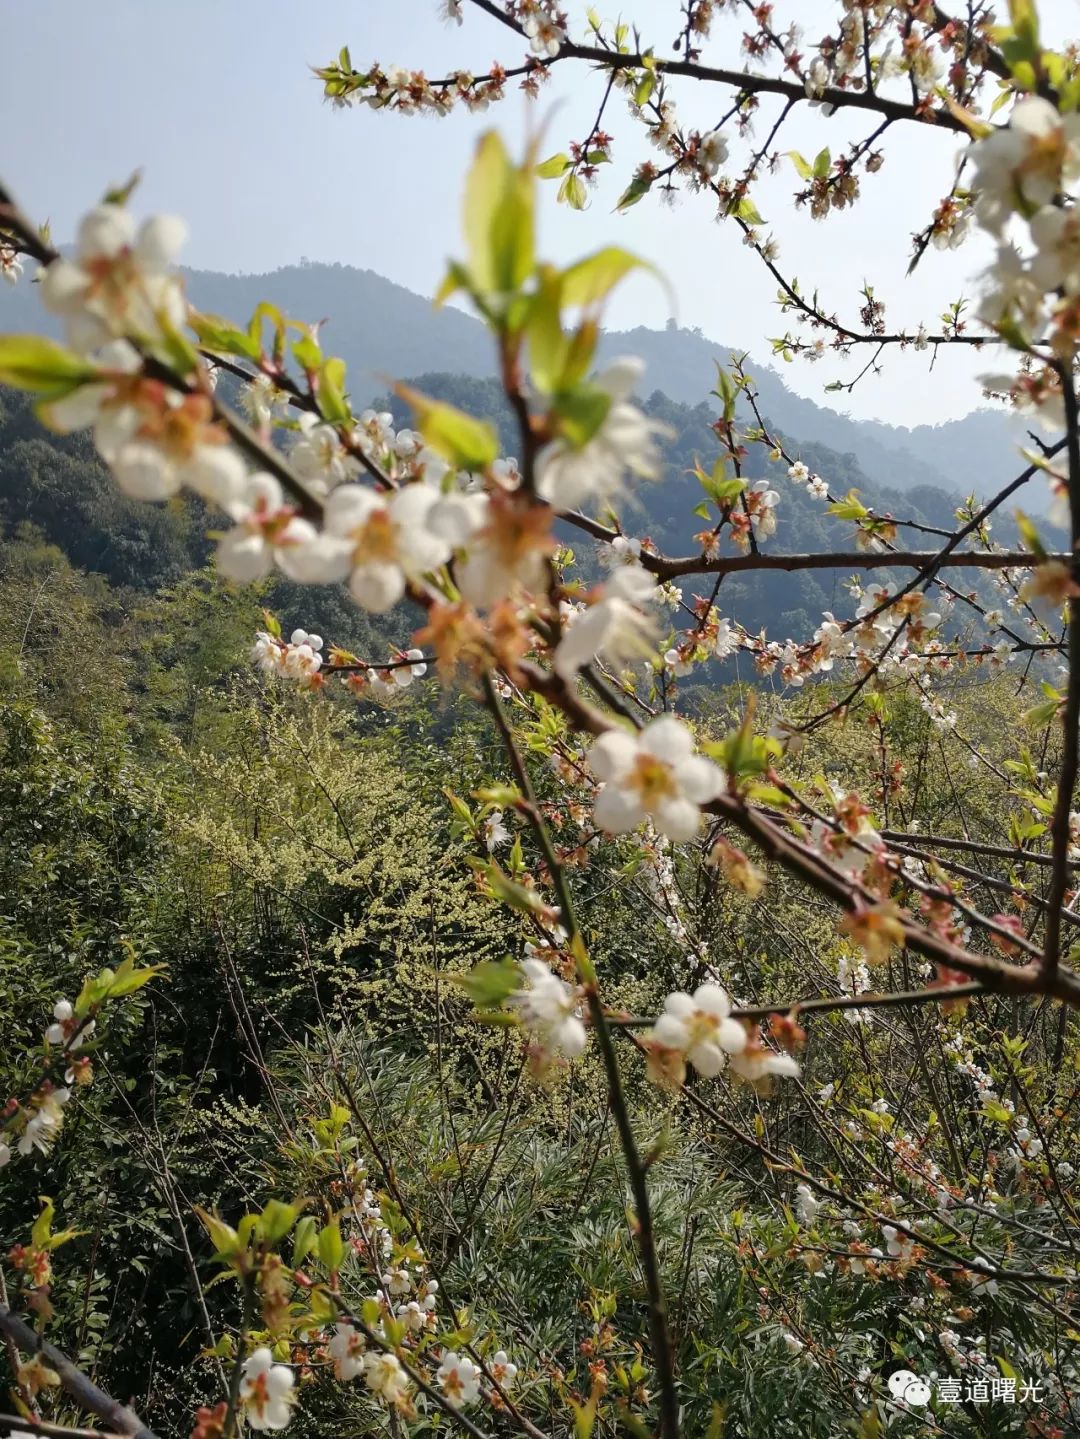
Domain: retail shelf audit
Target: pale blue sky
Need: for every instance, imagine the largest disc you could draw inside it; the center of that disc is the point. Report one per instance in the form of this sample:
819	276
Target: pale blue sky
214	100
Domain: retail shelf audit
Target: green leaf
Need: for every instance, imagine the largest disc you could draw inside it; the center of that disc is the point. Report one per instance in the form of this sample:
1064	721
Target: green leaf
1041	714
548	345
219	335
581	412
573	192
802	165
592	279
640	185
748	211
458	278
849	508
1030	535
127	981
584	1416
466	443
997	1112
306	353
460	808
822	163
330	393
304	1240
42	1228
331	1246
223	1237
121	194
516	896
265	310
554	167
491	982
499	224
644	88
276	1220
30	362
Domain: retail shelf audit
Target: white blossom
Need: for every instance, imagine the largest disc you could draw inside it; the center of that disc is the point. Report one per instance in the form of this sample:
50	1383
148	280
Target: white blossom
459	1379
899	1245
653	774
347	1350
1012	293
543	35
385	1376
548	1009
120	281
699	1026
268	530
727	640
756	1063
496	833
806	1205
11	265
62	1013
504	1372
383	541
44	1123
615	629
1030	157
266	1391
1056	234
318	456
260	399
625	441
712	152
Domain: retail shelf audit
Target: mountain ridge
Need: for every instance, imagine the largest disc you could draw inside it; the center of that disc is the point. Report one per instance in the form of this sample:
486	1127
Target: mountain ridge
384	330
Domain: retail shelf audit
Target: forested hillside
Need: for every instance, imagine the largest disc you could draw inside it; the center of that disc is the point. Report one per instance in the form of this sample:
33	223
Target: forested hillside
293	865
382	329
539	869
57	484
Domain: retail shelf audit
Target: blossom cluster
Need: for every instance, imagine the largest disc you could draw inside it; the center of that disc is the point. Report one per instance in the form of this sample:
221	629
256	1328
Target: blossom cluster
39	1119
1022	175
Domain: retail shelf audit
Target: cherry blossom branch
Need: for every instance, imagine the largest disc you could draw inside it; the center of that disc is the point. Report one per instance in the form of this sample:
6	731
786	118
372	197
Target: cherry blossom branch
791	1166
1016	856
1070	718
993	974
922	560
13	219
12	1424
822	1004
435	1395
636	1171
792	90
73	1381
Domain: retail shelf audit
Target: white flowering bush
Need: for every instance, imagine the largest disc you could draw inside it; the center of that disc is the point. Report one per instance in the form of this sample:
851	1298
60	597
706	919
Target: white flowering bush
576	662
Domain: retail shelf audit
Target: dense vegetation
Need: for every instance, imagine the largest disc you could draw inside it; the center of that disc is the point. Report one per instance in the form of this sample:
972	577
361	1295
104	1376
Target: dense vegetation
613	973
294	865
60	486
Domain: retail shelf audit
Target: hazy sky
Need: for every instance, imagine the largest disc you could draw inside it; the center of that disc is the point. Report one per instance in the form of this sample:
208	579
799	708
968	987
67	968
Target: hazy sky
214	100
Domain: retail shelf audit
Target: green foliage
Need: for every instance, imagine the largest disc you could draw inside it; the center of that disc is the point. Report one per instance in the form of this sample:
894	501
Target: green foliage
295	866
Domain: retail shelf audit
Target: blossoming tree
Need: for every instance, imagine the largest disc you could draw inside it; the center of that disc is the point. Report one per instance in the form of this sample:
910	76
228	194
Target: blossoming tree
576	657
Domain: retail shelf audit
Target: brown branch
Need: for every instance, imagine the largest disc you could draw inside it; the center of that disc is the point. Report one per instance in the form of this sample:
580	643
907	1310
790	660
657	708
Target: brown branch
11	1424
1070	719
748	84
73	1381
635	1168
